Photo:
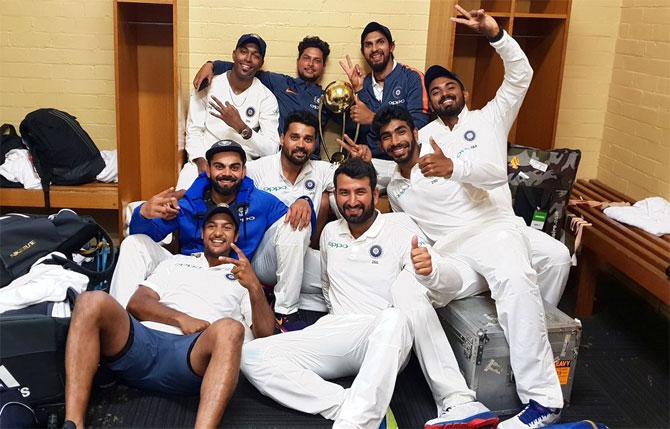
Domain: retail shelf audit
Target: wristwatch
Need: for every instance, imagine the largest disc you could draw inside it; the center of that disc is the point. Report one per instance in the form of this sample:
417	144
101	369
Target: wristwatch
246	133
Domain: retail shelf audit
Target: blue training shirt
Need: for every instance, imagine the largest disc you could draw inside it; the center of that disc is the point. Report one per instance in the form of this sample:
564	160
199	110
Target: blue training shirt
403	86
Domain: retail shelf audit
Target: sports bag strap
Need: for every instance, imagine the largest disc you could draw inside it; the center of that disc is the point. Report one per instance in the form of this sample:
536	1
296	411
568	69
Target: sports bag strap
92	274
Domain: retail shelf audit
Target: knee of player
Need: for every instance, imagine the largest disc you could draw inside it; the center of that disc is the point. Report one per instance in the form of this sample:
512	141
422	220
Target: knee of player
135	241
392	321
92	304
228	331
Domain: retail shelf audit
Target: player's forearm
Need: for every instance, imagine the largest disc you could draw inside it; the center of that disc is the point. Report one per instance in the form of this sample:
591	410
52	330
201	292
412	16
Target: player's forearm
263	320
145	307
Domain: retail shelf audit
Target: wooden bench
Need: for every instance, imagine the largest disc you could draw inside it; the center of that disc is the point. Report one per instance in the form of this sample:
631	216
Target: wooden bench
642	257
89	196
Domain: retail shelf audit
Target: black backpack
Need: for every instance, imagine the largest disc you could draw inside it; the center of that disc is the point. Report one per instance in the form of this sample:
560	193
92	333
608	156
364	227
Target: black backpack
63	153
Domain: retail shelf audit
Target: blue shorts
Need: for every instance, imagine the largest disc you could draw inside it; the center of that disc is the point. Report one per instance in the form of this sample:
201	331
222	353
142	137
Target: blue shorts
157	361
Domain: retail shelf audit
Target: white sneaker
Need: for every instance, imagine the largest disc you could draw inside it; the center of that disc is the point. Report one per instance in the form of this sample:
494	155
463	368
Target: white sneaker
471	415
533	416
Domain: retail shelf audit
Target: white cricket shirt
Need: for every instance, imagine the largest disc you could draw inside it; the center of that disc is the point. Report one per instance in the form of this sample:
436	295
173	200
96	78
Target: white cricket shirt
477	145
188	284
314	178
257	107
357	274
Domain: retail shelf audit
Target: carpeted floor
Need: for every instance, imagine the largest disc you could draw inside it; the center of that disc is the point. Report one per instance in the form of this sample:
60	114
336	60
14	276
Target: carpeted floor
621	380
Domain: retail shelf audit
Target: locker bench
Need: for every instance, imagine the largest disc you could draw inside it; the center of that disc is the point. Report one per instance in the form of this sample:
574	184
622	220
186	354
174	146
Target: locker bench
642	257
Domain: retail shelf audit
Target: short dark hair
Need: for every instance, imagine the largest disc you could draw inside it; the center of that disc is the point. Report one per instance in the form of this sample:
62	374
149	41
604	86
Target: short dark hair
302	117
386	114
357	169
314	42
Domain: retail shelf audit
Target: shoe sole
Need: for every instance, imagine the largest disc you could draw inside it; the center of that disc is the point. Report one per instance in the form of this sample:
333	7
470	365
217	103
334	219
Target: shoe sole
490	423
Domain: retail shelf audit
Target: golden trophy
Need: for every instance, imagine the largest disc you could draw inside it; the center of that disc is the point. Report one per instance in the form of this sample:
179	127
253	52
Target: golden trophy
338	97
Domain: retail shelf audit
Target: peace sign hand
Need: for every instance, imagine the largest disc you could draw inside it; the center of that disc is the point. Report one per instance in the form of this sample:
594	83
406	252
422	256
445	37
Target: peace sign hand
164	205
353	72
478	21
227	113
436	164
242	271
360	151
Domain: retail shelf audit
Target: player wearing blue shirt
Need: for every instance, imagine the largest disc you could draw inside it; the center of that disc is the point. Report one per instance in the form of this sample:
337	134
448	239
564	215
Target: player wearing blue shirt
274	237
390	83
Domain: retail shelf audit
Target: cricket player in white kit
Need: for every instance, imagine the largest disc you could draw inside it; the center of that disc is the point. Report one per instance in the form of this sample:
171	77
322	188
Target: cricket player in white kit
446	191
363	258
291	174
236	106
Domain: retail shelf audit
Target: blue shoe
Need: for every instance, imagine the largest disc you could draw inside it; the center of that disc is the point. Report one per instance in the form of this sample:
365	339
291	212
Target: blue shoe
533	416
388	422
471	415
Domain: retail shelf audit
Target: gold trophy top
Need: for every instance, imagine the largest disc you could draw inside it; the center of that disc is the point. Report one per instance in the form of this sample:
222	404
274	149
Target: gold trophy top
338	96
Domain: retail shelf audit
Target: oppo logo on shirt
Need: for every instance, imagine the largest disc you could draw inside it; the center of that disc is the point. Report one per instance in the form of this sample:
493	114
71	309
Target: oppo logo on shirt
401	191
336	245
272	189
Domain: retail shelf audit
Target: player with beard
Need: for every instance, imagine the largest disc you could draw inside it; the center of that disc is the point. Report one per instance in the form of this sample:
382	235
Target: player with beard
390	83
274	237
364	256
291	174
193	311
301	93
237	107
452	190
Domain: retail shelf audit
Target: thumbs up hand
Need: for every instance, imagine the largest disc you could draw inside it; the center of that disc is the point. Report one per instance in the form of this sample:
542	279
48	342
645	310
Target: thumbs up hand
436	164
421	259
360	113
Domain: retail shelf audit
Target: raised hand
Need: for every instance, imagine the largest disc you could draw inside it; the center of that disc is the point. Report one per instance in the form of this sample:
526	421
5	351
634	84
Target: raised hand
353	72
421	259
360	151
227	113
436	164
206	72
478	21
360	113
299	215
164	205
242	271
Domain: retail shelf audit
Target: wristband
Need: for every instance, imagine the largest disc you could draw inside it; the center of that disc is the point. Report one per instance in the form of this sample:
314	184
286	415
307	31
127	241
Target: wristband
496	37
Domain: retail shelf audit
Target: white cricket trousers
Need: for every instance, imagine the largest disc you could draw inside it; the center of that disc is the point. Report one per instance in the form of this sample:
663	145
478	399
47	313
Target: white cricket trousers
292	368
501	254
432	349
549	258
278	261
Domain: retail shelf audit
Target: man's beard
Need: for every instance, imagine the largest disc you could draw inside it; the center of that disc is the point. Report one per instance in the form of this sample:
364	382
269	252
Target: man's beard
362	218
381	66
225	191
449	112
292	160
413	145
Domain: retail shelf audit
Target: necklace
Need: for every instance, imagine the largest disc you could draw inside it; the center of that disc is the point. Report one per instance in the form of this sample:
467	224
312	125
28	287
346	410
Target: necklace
233	96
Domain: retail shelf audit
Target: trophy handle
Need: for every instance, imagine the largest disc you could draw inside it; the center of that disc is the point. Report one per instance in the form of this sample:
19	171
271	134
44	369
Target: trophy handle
323	140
